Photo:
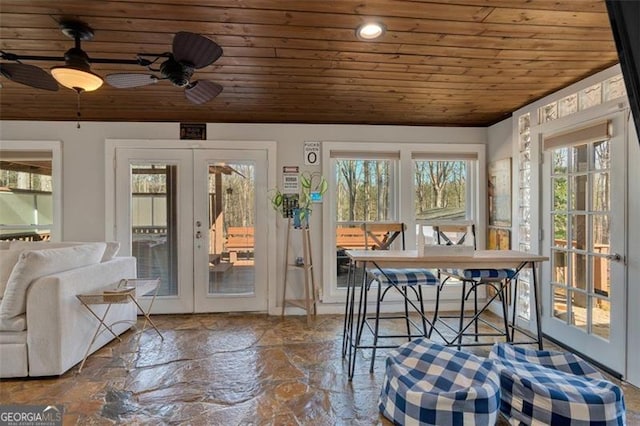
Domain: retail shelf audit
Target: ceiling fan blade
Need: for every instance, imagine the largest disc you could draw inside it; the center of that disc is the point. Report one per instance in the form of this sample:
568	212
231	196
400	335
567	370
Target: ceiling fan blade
129	80
195	49
29	75
202	91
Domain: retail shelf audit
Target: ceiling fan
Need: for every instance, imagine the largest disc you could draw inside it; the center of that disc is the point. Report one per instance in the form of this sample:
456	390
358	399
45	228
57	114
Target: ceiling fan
190	52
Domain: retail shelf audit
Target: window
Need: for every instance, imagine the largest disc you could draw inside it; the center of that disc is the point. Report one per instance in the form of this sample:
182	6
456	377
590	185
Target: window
604	91
440	190
29	207
418	182
364	193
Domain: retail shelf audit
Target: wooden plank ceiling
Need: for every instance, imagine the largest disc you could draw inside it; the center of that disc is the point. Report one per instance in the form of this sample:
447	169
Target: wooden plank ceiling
441	62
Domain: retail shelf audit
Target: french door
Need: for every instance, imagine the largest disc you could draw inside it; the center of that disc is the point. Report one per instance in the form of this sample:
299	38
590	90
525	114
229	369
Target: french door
584	221
189	216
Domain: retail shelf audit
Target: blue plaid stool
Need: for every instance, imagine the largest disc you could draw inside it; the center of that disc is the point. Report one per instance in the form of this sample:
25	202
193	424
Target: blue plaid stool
429	384
554	388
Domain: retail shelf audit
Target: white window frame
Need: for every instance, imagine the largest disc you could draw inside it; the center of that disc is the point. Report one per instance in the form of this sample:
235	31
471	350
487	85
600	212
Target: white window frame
405	194
55	147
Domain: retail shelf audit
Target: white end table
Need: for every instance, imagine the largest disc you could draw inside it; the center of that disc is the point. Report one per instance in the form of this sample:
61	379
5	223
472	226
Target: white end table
128	290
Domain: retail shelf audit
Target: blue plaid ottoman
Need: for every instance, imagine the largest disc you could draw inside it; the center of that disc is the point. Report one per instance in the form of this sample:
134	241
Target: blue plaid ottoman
429	384
554	388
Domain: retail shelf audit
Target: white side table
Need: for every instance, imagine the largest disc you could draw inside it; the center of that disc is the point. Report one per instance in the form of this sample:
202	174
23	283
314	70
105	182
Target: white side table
127	291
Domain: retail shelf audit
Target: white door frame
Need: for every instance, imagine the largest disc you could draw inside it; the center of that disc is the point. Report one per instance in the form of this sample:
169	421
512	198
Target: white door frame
270	147
614	356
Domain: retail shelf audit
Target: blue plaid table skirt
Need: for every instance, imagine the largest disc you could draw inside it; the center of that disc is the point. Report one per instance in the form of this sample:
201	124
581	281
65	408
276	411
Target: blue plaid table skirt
430	384
554	388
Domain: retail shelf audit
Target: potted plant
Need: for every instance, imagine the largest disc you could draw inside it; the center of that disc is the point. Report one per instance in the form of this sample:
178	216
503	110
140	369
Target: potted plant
310	184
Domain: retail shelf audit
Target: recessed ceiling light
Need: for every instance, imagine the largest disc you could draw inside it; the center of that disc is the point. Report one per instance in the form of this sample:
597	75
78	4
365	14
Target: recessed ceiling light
370	31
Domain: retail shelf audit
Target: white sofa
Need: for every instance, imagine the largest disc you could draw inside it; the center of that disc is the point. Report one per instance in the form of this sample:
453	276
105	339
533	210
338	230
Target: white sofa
44	329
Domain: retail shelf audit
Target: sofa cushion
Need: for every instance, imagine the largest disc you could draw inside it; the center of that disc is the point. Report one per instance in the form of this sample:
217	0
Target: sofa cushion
17	323
110	252
33	264
7	337
8	259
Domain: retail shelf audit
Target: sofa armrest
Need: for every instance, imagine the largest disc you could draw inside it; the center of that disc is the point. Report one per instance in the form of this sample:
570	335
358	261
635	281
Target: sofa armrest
59	327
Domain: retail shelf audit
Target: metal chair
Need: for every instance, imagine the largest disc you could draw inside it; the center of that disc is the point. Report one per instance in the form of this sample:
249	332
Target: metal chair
471	279
380	236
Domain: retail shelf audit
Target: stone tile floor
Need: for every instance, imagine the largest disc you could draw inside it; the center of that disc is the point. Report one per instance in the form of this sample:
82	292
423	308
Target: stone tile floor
224	369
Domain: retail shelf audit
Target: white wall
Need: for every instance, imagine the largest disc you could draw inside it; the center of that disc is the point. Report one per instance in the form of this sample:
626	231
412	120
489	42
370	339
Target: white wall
500	139
83	201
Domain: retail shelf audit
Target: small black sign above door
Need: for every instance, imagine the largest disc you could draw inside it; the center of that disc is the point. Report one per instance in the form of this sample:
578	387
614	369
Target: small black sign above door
193	131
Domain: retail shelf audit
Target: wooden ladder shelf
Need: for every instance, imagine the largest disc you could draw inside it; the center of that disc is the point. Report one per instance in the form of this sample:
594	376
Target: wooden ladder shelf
308	303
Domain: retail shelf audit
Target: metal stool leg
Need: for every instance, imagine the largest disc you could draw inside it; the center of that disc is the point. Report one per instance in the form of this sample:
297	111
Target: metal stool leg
406	312
464	294
424	321
347	309
376	329
505	310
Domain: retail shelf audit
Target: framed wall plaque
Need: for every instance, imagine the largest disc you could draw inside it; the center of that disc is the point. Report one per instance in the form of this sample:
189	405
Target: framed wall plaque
193	131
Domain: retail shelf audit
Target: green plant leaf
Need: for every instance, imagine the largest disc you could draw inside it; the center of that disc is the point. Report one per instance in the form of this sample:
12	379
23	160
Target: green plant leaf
324	185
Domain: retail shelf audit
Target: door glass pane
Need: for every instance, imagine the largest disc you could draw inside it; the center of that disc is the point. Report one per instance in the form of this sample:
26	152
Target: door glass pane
560	161
579	310
231	200
559	295
600	228
26	195
601	156
579	271
154	235
579	193
579	231
601	312
559	267
600	270
600	192
560	224
559	187
579	158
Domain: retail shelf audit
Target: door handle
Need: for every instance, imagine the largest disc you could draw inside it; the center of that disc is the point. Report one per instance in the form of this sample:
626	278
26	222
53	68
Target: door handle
615	257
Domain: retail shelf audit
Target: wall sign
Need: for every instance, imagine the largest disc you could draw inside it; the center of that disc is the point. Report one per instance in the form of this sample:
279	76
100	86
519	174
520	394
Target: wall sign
193	131
290	180
312	153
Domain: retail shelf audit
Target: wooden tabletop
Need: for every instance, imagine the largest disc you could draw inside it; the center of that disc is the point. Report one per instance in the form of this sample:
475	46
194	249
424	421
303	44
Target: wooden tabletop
479	259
